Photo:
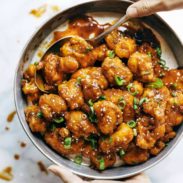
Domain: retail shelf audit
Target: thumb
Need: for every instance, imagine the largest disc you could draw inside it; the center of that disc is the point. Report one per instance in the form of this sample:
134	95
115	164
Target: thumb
145	8
65	174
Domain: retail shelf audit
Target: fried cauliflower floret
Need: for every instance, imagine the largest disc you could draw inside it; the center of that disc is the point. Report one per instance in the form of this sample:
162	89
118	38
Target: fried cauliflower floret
109	116
71	92
91	89
54	140
68	64
78	123
173	79
91	74
76	47
30	72
135	155
114	68
124	100
156	102
104	161
52	73
119	139
149	131
141	66
125	47
135	88
113	38
174	109
52	105
36	123
159	146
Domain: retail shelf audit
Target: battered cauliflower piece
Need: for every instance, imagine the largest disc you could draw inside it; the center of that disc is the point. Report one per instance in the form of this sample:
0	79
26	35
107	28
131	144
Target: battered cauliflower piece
54	140
30	72
71	92
52	105
119	139
68	64
113	38
109	116
149	131
174	109
124	100
78	123
173	79
135	155
125	47
135	88
141	66
77	47
159	146
114	69
156	102
36	122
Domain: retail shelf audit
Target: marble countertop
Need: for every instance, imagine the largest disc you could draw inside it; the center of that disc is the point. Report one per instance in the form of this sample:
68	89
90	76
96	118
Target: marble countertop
16	27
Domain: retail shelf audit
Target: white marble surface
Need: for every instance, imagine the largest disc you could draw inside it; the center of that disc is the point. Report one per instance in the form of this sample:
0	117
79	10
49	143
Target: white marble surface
16	26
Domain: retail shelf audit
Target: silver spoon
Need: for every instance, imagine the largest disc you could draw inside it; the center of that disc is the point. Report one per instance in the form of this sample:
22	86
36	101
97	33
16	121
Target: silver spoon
55	47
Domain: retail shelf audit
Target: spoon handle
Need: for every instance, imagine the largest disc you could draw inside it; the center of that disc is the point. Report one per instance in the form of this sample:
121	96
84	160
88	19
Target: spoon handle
109	29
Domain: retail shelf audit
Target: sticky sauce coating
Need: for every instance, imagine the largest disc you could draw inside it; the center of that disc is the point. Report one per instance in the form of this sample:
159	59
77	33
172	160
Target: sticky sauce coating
115	102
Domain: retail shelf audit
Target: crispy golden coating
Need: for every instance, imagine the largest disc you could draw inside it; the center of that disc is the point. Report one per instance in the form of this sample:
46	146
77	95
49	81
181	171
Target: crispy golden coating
136	88
109	116
52	105
124	100
36	123
52	72
71	92
156	102
149	131
125	47
77	47
119	139
57	143
159	146
30	72
114	67
173	79
79	125
141	66
68	64
135	155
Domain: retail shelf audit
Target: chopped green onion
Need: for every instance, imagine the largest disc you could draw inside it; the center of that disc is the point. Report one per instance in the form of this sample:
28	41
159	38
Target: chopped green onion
36	63
78	81
143	100
135	103
173	94
135	132
78	159
111	54
158	51
173	86
40	115
130	87
162	62
90	102
59	120
88	49
102	164
102	97
92	116
119	81
156	84
110	140
67	143
149	54
121	103
131	124
121	152
52	127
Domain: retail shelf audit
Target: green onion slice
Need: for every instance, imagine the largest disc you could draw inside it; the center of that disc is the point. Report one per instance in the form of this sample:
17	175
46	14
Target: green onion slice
143	100
90	102
111	54
156	84
119	81
149	54
59	120
132	89
158	51
102	97
102	164
121	103
78	81
40	115
121	152
135	132
67	143
78	159
131	124
135	103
